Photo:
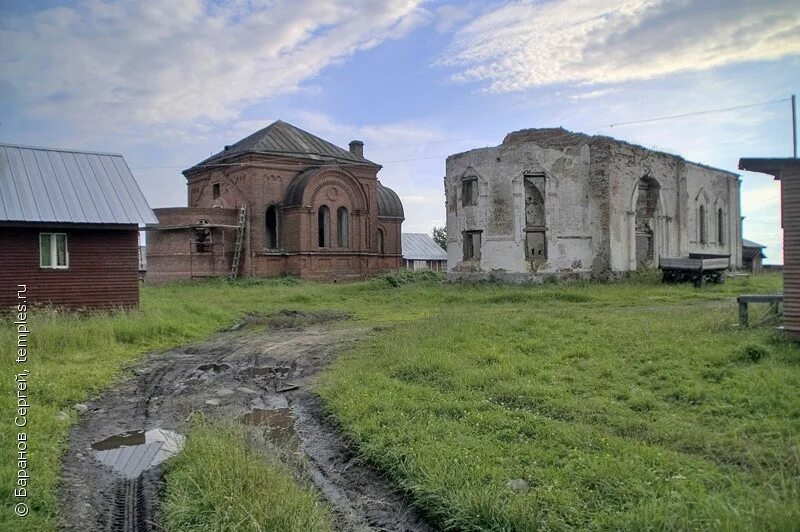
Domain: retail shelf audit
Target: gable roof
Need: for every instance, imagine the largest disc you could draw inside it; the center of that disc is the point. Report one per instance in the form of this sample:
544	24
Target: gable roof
282	138
420	246
750	244
69	186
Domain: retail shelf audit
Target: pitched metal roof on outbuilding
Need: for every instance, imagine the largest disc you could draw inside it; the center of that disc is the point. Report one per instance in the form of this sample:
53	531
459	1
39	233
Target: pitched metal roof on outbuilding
282	138
389	204
420	246
68	186
750	244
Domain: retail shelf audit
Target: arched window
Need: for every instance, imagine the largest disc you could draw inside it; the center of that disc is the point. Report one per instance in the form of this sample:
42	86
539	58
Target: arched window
324	227
272	225
701	224
720	227
381	248
534	205
342	227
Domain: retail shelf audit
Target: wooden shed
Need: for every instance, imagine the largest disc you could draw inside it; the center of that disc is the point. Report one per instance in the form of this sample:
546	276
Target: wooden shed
787	171
69	228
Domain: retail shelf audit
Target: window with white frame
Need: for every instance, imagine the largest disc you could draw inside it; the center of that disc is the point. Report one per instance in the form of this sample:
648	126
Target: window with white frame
53	251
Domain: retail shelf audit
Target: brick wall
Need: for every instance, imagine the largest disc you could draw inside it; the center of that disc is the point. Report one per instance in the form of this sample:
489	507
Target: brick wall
103	268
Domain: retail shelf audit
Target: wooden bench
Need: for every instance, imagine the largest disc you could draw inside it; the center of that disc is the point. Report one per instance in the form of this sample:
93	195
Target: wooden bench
773	299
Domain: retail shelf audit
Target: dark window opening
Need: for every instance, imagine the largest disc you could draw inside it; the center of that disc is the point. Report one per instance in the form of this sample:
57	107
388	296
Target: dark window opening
342	227
472	245
323	227
535	245
720	227
215	190
469	192
647	200
202	238
701	215
534	205
381	248
272	223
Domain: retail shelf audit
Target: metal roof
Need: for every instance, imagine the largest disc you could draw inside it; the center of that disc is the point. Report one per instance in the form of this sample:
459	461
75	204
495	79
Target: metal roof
420	246
750	244
771	166
68	186
389	204
282	138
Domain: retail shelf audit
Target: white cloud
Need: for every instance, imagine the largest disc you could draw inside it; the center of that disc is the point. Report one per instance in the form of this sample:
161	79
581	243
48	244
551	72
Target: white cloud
764	199
534	43
449	15
133	63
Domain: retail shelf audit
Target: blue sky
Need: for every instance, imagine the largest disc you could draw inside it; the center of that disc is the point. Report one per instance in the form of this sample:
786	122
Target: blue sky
168	83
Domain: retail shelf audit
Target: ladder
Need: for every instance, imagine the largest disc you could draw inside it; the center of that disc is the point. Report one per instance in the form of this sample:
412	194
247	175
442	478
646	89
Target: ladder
237	252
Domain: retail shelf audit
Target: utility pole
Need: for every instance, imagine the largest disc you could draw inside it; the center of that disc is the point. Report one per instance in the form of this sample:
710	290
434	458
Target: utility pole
794	128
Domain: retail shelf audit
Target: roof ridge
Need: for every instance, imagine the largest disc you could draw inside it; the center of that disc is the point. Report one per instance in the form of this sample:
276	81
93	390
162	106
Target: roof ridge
282	138
62	150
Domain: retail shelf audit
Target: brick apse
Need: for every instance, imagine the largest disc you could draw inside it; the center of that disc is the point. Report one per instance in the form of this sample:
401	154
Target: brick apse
312	210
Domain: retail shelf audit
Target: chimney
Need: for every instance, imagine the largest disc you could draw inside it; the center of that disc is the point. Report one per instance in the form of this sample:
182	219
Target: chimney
357	147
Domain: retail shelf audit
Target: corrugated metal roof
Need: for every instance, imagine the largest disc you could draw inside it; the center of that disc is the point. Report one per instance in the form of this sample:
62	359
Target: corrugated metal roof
750	244
282	138
420	246
67	186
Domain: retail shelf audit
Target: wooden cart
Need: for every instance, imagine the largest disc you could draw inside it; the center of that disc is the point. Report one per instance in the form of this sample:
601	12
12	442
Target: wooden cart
697	268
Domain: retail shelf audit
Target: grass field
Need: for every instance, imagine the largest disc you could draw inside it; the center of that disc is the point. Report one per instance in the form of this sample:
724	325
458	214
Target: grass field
619	406
217	483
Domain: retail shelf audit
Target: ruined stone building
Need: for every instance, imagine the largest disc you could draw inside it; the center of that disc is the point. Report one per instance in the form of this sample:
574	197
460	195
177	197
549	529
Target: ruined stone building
550	201
279	202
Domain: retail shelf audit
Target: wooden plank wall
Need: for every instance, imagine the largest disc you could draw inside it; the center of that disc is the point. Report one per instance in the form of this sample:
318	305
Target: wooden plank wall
790	193
102	273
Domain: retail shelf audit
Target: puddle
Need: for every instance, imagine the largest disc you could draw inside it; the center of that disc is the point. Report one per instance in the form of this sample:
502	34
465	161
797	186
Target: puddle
132	453
267	371
216	368
279	422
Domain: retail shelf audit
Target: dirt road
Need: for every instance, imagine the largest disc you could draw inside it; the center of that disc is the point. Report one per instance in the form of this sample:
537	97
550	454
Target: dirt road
261	373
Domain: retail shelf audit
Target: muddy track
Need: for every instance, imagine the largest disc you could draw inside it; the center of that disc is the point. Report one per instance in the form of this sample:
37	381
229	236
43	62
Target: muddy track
111	473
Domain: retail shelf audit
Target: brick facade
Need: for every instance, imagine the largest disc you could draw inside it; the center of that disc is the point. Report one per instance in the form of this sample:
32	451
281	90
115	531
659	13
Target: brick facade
103	269
285	241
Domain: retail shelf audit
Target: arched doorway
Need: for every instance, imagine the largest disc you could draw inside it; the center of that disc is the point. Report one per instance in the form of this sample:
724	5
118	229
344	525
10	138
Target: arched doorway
645	222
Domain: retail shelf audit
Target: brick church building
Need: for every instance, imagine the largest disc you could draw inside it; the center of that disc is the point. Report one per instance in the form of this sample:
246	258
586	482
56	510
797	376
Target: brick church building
279	202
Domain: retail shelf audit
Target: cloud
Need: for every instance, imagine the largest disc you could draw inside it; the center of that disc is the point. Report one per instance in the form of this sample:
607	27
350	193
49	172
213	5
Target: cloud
590	95
449	15
133	63
764	199
527	44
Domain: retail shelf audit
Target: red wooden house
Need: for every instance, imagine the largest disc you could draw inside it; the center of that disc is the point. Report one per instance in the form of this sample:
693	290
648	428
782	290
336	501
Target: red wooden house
69	226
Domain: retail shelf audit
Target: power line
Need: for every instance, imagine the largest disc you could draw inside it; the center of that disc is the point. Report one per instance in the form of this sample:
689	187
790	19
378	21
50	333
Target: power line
589	128
684	115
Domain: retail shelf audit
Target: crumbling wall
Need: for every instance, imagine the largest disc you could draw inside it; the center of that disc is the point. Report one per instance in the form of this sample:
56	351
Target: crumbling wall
574	210
590	187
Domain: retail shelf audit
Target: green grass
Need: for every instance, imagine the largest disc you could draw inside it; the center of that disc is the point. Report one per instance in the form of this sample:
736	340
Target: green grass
514	382
218	483
622	407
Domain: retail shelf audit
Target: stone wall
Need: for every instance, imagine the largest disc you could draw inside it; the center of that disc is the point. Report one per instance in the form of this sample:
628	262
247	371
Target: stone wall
609	206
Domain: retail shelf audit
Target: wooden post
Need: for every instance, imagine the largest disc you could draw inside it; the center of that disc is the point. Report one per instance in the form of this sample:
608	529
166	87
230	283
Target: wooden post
743	313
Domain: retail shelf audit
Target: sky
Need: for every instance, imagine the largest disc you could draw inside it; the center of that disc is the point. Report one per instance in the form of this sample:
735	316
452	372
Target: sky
168	83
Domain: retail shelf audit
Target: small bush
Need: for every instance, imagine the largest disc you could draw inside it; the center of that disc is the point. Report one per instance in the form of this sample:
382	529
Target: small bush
401	277
752	353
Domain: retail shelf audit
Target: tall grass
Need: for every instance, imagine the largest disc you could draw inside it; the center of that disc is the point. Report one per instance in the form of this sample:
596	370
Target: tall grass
73	357
218	483
621	407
